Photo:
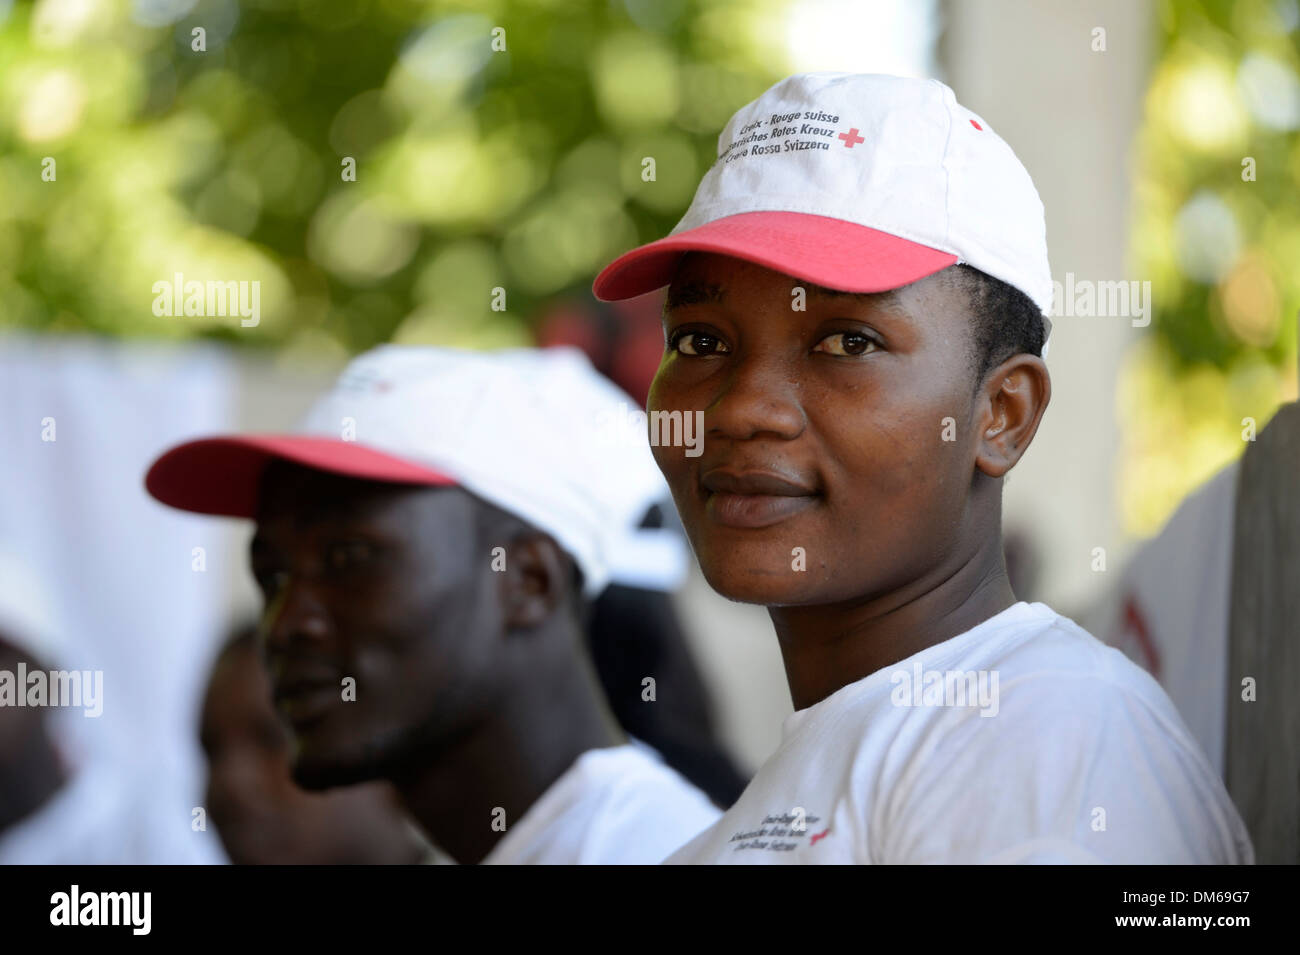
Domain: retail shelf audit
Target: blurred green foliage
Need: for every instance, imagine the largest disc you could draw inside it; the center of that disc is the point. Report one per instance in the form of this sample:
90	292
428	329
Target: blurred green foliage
128	156
1217	231
476	167
1223	248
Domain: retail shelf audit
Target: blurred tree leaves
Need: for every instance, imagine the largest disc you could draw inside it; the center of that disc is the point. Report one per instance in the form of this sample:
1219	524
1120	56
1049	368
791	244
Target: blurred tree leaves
475	167
1217	231
1222	246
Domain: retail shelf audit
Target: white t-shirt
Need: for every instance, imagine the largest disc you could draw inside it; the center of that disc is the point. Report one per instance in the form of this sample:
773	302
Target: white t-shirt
617	805
1080	758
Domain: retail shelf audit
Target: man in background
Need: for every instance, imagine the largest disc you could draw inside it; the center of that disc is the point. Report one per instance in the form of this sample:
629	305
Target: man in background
31	769
263	818
61	805
1209	607
427	545
634	630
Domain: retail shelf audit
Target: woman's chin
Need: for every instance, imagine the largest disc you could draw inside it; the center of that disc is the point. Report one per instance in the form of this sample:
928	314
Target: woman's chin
749	585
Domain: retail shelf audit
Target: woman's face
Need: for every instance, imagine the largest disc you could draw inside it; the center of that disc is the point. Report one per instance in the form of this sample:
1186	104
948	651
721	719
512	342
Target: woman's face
839	441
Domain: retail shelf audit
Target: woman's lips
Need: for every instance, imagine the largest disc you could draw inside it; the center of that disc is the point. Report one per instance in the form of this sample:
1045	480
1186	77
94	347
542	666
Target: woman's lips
755	498
754	510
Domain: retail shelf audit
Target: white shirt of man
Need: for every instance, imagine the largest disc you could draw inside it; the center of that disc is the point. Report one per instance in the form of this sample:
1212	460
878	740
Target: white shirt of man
620	805
1023	740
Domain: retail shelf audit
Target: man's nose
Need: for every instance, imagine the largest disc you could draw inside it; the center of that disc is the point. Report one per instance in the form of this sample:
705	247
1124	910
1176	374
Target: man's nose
761	395
296	613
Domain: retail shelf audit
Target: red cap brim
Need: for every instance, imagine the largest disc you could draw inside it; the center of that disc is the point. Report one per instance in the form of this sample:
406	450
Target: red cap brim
828	252
221	475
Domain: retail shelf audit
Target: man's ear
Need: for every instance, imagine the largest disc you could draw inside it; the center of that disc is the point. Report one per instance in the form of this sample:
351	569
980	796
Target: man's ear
1010	404
535	580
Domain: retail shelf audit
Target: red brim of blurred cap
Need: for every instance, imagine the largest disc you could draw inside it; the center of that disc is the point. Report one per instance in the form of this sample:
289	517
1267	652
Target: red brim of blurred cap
828	252
222	475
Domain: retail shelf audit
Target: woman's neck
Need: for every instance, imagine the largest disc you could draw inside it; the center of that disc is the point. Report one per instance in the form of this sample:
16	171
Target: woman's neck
828	646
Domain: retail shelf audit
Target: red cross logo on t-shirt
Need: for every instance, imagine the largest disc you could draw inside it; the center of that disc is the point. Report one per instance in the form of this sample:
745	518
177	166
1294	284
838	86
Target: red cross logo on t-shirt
851	138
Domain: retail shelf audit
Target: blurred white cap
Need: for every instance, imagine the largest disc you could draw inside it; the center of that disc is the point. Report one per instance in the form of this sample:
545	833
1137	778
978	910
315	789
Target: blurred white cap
538	433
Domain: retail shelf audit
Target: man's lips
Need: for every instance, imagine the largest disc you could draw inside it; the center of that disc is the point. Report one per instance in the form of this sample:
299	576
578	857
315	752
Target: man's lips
304	701
755	498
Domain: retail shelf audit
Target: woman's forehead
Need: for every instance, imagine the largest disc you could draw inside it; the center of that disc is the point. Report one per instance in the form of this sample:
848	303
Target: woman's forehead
706	278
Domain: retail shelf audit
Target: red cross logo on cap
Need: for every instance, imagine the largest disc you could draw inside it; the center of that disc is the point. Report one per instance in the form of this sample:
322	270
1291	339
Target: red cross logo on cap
851	138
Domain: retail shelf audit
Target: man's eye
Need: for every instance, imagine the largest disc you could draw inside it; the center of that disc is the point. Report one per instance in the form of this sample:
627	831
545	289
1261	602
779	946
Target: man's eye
344	554
271	581
699	344
847	343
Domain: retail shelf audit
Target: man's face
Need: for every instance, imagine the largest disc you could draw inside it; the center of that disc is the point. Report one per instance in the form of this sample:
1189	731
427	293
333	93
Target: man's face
381	622
261	816
30	769
18	724
823	431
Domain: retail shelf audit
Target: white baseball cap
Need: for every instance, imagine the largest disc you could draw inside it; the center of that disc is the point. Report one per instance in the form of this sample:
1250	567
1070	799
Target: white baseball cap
856	182
539	433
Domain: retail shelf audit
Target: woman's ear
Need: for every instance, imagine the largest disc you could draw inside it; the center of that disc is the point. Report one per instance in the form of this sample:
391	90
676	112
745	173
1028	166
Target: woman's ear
1011	403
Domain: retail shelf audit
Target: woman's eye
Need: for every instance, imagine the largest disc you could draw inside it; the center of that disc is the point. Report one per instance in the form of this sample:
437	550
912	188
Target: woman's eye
699	344
847	343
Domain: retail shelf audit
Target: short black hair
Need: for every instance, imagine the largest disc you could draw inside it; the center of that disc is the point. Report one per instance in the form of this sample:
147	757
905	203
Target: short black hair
1006	321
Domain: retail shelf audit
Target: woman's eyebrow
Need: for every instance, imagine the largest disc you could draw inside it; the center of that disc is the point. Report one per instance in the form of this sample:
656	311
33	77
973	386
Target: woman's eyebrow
822	292
694	293
885	301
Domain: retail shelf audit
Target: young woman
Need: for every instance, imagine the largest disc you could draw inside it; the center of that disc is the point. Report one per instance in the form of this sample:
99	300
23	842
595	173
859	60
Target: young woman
860	321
